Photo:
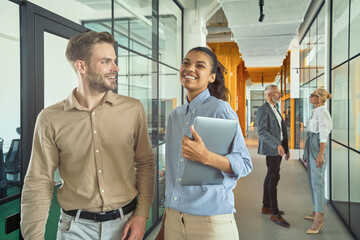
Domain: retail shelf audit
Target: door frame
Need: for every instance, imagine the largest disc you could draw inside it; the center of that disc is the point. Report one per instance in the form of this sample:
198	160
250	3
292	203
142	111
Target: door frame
35	21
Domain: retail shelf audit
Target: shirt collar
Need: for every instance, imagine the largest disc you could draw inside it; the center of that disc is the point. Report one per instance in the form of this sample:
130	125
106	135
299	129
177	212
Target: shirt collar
71	102
273	106
198	100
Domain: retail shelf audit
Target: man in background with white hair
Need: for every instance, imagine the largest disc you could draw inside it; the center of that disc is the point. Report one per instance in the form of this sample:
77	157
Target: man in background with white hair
273	143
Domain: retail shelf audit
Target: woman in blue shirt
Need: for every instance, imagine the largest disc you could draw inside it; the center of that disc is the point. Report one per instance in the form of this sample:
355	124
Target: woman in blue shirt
204	211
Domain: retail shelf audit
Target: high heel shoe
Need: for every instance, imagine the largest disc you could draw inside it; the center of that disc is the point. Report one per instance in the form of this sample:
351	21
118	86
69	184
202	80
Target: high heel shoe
310	217
310	231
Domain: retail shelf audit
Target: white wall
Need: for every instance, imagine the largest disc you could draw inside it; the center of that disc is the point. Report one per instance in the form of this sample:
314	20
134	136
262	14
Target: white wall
196	14
294	68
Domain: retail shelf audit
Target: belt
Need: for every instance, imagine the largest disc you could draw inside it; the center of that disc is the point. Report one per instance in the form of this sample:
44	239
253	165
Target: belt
106	216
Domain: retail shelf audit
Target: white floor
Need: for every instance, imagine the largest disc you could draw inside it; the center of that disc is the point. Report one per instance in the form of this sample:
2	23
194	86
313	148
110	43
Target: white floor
293	197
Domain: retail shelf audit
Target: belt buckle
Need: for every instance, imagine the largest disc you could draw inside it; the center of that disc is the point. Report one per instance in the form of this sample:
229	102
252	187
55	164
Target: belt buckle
114	215
95	219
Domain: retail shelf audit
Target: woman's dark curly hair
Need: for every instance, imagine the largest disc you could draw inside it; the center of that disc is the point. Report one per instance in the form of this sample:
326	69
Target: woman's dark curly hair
217	88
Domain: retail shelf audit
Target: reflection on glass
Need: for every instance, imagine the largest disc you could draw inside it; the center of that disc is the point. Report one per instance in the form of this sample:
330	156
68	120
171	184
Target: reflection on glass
354	101
354	28
161	197
302	61
321	37
170	98
9	101
306	58
312	50
340	26
354	191
140	77
304	110
339	179
99	26
123	74
340	104
169	33
78	11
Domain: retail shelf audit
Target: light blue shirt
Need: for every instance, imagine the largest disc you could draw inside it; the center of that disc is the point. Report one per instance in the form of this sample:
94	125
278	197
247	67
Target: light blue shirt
203	200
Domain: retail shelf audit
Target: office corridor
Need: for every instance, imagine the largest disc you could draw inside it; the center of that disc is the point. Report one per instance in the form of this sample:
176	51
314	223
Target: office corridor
293	196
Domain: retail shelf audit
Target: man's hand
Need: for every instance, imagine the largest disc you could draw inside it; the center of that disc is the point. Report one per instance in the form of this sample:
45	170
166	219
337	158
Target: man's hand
281	150
194	149
134	228
287	156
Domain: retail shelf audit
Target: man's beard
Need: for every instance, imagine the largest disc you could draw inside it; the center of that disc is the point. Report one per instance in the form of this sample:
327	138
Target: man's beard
97	82
275	100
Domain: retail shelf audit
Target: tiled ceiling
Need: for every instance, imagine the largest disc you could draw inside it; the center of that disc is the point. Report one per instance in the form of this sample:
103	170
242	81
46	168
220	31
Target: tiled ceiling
264	44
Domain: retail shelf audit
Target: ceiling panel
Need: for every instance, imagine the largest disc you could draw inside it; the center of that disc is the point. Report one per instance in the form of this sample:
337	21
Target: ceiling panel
264	42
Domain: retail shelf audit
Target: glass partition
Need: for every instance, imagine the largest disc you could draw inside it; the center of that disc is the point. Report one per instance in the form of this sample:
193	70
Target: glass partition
354	28
320	43
257	98
354	104
340	104
339	179
354	166
78	11
10	131
169	33
340	24
312	56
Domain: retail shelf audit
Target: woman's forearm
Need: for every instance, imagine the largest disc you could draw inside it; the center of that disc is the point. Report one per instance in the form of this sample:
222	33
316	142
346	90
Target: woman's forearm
217	161
322	148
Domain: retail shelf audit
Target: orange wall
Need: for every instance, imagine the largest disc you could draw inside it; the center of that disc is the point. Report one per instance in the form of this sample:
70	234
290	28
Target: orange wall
229	56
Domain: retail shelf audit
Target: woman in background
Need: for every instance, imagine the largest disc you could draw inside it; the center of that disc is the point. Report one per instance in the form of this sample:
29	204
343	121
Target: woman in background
316	155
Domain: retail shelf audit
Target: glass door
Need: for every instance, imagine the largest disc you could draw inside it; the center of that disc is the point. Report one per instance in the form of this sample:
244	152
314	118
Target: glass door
46	78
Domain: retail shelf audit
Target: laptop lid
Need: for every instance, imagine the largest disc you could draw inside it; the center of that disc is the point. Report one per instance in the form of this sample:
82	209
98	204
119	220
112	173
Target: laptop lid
217	135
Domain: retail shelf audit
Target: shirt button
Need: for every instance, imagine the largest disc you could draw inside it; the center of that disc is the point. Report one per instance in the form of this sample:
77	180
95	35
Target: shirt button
97	150
102	190
187	123
179	179
175	198
99	171
93	113
95	131
193	112
181	160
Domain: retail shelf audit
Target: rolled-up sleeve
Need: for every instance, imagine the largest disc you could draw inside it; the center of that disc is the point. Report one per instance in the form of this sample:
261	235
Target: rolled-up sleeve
325	125
239	156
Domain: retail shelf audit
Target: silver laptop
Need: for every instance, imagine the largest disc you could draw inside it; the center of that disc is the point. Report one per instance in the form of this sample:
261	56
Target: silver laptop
217	135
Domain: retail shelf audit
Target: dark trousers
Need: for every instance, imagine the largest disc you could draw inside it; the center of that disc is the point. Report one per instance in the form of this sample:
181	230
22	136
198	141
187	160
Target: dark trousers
270	184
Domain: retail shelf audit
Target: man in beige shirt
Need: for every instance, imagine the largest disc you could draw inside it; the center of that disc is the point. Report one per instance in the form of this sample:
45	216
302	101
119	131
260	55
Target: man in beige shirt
99	141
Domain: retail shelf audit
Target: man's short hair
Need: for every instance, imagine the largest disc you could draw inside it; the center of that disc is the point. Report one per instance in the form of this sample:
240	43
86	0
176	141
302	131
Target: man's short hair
80	46
269	88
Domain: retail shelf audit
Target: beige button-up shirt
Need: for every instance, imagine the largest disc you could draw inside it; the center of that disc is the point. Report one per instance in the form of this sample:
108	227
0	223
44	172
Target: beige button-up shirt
104	158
